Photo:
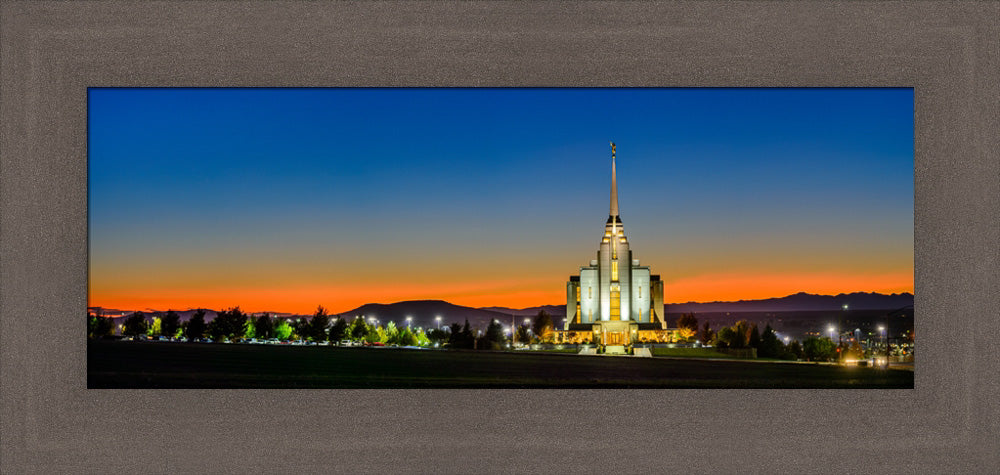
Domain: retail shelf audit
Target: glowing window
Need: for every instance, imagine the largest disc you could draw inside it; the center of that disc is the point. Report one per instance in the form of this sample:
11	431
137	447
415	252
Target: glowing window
589	293
614	271
616	303
640	291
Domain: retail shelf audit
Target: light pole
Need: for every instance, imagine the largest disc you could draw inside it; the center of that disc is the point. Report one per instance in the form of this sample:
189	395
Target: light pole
885	339
408	320
438	320
840	324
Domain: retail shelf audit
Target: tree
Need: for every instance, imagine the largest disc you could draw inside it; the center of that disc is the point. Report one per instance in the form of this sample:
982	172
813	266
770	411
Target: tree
687	325
494	336
339	330
754	340
819	349
726	338
523	335
135	325
422	339
301	328
437	336
770	346
99	327
359	329
391	333
250	328
170	324
742	330
468	338
543	326
196	326
795	350
229	323
263	327
455	335
282	330
405	337
154	329
317	325
707	335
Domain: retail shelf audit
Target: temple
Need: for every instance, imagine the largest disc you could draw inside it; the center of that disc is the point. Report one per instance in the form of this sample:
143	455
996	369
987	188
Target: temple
614	302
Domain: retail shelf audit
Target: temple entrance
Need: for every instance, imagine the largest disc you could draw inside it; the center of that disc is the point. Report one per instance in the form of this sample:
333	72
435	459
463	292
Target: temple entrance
615	338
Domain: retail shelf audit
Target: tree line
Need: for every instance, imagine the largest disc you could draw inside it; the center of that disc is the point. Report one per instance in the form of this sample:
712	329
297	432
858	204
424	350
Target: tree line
233	324
743	334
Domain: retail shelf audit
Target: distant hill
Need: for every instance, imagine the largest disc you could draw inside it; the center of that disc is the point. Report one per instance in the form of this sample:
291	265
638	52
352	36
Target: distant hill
800	302
554	310
424	313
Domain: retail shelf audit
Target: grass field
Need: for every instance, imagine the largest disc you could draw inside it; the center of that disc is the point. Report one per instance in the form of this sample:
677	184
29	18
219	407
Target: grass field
115	364
689	353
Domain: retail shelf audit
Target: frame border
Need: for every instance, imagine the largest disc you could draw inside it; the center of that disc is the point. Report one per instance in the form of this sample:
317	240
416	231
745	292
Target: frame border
52	51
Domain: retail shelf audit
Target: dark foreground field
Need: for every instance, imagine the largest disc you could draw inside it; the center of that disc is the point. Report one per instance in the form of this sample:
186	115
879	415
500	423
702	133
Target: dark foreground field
112	364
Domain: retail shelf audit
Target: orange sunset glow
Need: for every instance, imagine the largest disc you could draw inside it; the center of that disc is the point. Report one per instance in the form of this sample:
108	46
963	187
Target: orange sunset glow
513	294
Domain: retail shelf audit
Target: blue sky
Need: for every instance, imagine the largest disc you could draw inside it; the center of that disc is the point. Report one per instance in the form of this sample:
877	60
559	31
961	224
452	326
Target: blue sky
482	182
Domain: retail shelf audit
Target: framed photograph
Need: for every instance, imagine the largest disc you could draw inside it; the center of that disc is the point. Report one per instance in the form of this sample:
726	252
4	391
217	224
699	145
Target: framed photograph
57	56
421	237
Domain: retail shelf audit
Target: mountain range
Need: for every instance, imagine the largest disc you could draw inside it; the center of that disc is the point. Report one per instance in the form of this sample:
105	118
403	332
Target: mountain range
424	313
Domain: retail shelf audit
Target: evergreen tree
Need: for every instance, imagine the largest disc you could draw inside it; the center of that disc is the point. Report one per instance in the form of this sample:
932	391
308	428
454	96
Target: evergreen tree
359	329
770	346
339	330
468	339
318	324
195	326
264	327
754	340
455	335
170	324
494	339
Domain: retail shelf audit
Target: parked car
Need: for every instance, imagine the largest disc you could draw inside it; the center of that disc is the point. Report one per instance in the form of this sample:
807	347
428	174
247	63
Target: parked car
346	343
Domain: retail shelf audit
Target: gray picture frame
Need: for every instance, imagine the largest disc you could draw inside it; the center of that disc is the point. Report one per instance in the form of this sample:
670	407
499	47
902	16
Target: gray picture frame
53	51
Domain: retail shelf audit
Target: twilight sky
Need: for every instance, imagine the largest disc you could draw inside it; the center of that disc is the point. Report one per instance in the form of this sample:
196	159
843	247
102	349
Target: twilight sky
283	199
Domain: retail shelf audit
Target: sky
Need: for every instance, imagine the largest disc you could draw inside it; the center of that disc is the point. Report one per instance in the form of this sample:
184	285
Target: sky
285	199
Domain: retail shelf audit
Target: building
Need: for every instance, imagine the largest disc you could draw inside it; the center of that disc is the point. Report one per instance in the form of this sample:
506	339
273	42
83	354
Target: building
614	301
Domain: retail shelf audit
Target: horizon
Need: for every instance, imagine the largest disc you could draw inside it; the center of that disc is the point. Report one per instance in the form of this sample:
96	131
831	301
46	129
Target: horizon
271	311
293	198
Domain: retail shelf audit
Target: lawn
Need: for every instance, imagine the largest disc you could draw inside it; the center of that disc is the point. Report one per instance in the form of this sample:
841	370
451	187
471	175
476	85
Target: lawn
689	353
115	364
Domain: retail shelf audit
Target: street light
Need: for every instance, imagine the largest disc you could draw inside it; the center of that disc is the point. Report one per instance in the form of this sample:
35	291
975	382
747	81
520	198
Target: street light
408	320
438	320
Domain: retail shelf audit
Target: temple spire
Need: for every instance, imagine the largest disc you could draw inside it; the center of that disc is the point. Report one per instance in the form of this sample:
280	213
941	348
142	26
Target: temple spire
614	184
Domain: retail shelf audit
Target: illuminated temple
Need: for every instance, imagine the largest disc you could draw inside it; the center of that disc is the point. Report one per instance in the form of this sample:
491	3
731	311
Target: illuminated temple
614	301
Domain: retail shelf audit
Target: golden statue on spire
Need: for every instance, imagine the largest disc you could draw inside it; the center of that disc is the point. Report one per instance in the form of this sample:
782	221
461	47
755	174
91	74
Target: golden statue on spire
612	150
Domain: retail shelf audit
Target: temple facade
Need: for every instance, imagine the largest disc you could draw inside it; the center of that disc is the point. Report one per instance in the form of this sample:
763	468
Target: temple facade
614	302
